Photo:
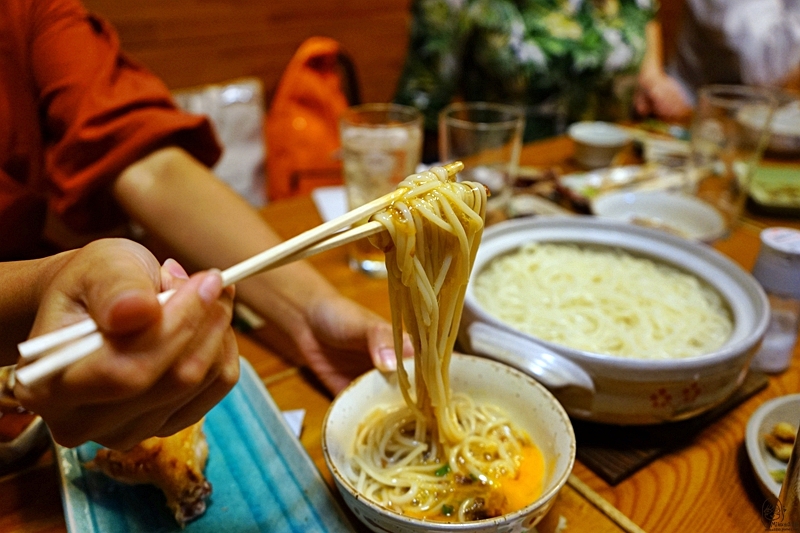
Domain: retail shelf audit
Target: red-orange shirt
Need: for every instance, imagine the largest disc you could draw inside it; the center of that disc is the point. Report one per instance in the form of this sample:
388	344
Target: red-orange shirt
74	112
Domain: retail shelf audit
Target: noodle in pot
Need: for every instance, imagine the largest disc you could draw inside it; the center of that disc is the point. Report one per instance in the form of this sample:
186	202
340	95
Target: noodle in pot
440	455
604	300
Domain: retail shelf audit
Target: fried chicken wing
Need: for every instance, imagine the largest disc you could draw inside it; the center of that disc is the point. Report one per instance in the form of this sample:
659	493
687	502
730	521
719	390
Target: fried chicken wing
174	464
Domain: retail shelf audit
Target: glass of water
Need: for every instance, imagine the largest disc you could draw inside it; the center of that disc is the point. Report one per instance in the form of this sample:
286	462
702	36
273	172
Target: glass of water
381	146
487	138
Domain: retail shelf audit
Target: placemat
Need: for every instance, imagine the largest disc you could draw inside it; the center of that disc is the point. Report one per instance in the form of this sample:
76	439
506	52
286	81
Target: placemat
616	452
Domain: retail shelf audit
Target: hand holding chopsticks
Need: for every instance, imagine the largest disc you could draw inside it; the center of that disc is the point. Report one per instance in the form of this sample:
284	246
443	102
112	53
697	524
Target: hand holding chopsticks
54	351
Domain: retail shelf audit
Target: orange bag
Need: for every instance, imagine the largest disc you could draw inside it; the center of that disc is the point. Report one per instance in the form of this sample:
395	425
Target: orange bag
302	123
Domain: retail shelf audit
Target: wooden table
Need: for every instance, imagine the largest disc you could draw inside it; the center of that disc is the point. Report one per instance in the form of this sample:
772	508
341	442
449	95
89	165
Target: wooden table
705	487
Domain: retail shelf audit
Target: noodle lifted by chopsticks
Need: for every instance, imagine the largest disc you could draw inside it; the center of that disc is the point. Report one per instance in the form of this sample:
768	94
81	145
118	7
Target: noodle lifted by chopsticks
438	455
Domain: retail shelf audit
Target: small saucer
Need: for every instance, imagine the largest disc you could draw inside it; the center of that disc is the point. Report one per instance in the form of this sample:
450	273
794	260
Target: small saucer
674	212
781	409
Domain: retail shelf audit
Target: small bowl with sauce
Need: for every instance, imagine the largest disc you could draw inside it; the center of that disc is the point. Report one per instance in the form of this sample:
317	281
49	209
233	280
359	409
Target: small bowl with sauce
23	436
526	403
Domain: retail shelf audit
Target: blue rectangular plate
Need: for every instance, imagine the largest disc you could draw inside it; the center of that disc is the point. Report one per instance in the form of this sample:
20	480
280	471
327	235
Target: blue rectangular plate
262	479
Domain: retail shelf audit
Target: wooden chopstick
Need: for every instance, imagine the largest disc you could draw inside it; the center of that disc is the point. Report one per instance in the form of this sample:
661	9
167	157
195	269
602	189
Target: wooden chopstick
58	349
603	505
75	342
280	254
34	348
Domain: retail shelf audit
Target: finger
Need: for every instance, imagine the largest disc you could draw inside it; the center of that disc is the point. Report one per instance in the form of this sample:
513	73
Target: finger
201	404
94	281
126	367
120	425
381	347
123	423
215	357
172	275
641	104
121	295
126	436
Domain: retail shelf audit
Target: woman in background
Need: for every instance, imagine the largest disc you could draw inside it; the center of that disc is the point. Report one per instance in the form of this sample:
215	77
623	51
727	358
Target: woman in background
749	42
91	145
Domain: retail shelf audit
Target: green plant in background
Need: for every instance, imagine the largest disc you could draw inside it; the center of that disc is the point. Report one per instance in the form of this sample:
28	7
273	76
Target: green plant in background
564	60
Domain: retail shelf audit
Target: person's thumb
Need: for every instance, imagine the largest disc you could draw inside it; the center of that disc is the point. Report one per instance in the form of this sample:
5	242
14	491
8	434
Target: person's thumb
120	291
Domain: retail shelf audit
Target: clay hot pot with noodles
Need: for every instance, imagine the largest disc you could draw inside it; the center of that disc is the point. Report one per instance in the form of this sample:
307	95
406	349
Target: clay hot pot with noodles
608	388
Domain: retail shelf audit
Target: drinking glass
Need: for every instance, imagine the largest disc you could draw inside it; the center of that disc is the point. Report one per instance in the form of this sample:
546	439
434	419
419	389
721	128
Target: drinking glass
728	134
381	146
487	138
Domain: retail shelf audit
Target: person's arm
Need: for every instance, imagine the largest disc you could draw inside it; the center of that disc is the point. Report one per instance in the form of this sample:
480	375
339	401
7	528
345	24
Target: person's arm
657	93
205	224
159	369
103	114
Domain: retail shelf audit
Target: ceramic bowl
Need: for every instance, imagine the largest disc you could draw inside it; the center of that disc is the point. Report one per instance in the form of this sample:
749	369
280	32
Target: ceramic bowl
596	143
609	389
781	409
526	402
678	213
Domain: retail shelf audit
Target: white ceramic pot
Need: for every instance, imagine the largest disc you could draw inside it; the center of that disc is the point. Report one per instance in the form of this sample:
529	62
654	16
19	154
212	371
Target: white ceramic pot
525	401
617	390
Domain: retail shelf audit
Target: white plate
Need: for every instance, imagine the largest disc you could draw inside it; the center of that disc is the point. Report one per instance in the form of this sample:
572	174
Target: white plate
590	185
677	213
781	409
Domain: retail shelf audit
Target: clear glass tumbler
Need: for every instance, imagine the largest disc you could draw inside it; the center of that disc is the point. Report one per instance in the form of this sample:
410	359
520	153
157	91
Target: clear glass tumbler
728	134
381	146
487	138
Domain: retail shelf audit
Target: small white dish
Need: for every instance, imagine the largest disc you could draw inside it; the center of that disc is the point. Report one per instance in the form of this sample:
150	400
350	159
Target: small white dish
781	409
583	187
596	143
674	212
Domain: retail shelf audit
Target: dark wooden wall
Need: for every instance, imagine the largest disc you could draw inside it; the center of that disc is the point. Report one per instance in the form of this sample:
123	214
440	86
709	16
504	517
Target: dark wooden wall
194	42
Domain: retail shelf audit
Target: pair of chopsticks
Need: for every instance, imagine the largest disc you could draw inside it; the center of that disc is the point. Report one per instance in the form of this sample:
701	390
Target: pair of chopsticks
49	353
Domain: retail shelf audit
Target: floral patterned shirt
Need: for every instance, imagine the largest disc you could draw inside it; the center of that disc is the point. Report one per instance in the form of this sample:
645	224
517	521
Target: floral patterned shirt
557	57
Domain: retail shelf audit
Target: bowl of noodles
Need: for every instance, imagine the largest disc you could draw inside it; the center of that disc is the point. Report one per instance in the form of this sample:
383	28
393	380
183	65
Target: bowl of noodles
507	473
624	324
448	442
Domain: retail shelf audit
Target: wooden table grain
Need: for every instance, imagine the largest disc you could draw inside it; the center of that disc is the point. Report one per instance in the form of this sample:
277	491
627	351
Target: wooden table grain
707	486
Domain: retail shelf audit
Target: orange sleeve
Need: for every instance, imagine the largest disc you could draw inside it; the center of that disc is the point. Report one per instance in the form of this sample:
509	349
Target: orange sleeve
100	112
